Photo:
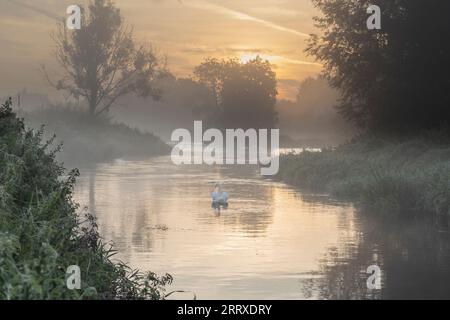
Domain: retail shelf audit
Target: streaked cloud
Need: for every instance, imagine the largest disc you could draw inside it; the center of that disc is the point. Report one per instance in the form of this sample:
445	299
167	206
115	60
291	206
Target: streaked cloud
245	57
205	5
38	9
276	11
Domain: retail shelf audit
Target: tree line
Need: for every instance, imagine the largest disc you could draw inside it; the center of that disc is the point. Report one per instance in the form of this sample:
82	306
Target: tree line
393	79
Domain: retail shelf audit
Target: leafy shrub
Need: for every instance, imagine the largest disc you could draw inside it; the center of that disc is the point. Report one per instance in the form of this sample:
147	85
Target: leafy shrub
41	233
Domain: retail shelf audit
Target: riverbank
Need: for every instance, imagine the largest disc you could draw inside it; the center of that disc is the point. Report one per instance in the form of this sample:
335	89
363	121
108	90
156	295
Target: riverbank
41	234
89	139
404	176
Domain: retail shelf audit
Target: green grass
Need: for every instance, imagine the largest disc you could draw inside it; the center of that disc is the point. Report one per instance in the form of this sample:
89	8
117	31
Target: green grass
405	176
41	234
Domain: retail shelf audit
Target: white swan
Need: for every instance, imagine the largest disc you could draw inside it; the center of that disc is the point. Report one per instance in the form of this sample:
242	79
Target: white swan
218	196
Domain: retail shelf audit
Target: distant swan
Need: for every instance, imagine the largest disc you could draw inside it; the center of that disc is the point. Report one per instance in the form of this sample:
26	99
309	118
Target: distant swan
219	197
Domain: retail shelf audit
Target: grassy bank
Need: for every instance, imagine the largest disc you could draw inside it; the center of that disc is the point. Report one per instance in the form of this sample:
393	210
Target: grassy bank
406	176
88	139
41	235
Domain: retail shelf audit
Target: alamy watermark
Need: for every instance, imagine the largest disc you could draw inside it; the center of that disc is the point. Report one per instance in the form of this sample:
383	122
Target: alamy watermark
374	280
73	277
241	146
374	20
73	22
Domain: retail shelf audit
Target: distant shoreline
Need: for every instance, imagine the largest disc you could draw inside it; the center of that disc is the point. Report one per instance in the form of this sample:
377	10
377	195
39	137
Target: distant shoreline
88	140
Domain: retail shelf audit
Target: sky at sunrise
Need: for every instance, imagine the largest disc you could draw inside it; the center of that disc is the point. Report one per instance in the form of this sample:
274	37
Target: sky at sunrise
185	31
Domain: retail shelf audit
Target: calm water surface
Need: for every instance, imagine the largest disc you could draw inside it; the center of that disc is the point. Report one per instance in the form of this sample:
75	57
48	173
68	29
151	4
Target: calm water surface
273	242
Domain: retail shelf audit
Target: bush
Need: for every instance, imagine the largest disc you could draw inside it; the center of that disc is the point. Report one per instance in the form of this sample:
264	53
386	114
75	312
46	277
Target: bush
41	234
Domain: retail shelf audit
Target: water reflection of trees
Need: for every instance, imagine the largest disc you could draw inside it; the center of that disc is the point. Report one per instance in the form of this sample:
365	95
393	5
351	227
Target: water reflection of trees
414	258
133	225
141	239
254	215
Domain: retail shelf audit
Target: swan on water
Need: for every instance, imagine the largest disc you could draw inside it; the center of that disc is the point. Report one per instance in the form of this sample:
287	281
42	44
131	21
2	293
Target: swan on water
219	197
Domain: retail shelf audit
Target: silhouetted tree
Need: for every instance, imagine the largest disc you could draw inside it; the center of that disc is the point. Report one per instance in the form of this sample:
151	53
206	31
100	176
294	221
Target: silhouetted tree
102	62
394	78
244	94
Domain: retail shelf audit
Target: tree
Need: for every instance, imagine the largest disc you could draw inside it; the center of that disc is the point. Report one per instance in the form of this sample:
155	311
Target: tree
395	78
244	94
102	62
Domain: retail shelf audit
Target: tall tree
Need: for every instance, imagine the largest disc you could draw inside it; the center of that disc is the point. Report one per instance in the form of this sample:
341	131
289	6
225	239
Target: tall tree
102	62
244	94
393	78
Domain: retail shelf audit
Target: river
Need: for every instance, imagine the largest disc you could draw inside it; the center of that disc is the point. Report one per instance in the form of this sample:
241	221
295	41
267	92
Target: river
273	242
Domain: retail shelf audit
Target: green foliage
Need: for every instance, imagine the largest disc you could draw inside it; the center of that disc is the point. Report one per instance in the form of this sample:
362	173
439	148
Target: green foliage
41	234
407	176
